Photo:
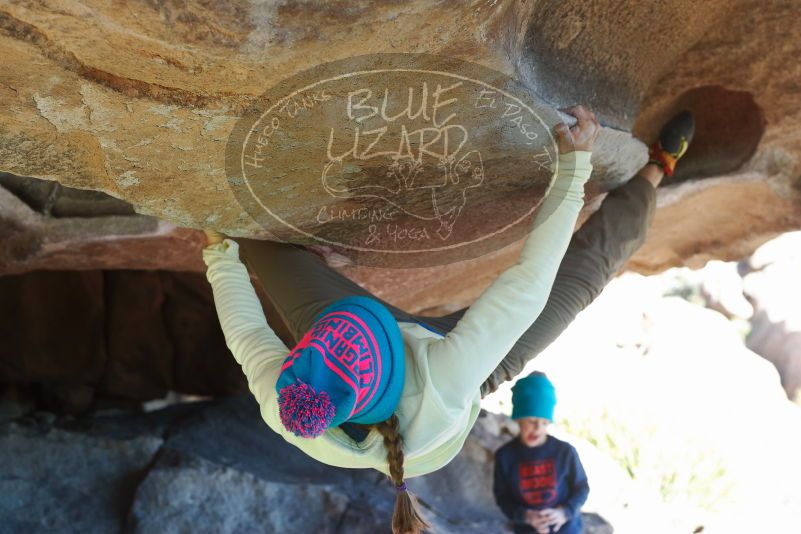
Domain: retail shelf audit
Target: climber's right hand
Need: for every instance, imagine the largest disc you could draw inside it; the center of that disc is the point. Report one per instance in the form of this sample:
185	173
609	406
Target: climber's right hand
212	237
581	135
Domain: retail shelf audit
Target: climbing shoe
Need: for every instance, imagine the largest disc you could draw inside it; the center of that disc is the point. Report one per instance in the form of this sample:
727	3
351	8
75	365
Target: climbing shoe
674	139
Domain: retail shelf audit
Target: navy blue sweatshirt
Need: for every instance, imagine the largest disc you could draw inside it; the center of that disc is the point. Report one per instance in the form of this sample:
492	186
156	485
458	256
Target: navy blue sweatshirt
533	478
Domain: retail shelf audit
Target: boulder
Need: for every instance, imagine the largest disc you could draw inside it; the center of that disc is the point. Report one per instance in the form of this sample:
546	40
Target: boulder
744	144
182	494
139	105
44	225
215	466
134	335
773	286
58	481
69	307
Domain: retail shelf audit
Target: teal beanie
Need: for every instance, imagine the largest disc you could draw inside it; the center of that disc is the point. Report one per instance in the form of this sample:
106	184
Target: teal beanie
533	396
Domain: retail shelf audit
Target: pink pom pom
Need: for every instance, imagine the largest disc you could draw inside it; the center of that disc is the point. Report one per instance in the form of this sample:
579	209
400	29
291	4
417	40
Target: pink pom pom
305	412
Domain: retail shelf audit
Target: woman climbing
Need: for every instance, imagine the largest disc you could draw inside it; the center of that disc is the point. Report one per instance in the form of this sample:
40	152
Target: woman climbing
370	386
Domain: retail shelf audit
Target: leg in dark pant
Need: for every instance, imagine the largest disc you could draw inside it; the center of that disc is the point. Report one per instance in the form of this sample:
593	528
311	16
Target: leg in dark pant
299	283
595	254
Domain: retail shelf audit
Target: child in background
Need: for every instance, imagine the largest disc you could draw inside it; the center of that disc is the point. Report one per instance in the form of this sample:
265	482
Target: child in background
539	481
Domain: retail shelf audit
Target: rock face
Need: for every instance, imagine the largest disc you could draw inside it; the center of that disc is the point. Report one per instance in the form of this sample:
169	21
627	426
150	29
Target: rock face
740	84
49	486
772	285
129	115
139	103
177	488
44	225
132	335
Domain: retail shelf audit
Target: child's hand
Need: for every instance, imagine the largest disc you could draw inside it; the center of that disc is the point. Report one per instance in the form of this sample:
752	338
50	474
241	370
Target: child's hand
555	517
538	521
581	135
213	237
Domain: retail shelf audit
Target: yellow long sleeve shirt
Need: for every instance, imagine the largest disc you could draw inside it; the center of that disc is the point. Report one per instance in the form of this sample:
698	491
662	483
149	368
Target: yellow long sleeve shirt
441	397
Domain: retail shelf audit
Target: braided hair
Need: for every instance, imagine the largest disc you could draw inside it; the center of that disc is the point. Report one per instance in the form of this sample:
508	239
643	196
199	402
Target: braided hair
405	519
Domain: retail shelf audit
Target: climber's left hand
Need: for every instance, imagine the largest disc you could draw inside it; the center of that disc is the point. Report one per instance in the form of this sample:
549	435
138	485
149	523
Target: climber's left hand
581	135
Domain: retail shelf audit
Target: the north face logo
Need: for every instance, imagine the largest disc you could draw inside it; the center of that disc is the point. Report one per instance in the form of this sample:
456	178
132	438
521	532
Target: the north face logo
348	348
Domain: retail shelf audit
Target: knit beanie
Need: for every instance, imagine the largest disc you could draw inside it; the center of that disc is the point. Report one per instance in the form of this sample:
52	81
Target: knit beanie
349	367
533	396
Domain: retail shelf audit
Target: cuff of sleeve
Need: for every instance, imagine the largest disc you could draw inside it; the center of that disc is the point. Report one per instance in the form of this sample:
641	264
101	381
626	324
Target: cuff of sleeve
520	515
573	171
569	512
578	159
227	248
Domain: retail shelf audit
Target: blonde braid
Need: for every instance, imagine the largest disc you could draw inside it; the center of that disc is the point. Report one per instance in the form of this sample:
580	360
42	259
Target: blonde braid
406	519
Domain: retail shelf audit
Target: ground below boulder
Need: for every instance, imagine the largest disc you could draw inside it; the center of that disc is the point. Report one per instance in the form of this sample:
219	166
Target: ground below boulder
214	466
